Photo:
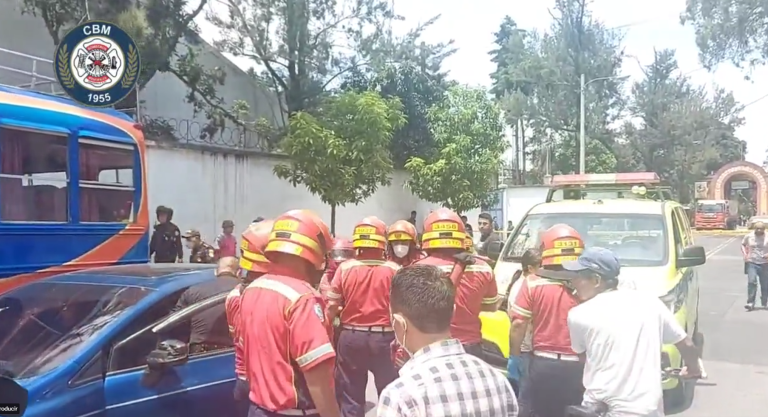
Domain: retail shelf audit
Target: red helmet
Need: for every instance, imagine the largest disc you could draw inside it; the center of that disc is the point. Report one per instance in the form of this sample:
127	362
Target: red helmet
560	243
300	233
443	228
254	240
370	233
402	230
342	250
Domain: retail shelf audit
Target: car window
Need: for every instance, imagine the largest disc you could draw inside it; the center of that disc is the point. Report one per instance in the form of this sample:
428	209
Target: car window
155	313
686	227
637	239
676	232
92	371
132	350
46	323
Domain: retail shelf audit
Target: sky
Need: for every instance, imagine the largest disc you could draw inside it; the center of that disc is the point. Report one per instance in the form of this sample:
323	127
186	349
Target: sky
647	24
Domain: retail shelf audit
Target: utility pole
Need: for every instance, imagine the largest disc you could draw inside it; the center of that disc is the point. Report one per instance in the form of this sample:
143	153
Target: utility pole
582	118
582	127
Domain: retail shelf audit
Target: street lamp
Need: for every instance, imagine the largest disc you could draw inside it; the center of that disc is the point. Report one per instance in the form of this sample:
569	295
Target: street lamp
582	117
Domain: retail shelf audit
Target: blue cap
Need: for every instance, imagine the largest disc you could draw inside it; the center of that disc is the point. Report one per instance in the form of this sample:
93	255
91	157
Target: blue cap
598	260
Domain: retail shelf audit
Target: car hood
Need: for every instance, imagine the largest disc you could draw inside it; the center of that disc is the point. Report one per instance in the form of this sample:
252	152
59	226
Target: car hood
652	279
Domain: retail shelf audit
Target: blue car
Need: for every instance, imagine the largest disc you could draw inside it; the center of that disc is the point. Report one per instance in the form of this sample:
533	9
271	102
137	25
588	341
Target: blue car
104	342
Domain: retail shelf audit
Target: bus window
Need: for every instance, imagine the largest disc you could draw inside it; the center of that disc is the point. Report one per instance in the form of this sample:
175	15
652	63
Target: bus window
106	182
33	176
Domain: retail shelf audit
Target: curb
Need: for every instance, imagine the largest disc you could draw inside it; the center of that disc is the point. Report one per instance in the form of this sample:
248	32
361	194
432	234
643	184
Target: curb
720	232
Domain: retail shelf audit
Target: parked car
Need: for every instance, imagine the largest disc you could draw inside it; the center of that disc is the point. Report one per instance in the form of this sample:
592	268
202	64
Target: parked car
103	342
755	219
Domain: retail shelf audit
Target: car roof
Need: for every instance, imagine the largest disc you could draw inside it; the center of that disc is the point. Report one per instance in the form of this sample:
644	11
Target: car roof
607	206
168	277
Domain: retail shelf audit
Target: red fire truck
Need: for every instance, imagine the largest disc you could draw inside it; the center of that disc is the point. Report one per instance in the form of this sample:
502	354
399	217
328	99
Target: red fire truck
714	214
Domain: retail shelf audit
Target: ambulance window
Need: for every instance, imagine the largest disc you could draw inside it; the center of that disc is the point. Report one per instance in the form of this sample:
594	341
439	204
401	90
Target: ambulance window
686	227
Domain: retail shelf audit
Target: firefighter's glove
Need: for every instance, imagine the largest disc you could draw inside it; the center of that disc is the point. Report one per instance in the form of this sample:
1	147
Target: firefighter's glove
465	258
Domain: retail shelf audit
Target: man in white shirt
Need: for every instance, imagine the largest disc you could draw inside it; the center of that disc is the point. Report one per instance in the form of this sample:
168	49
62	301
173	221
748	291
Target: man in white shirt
620	333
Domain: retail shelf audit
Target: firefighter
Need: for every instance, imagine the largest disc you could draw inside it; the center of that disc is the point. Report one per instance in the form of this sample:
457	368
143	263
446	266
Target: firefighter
360	292
342	251
443	241
201	252
286	334
253	265
554	379
403	247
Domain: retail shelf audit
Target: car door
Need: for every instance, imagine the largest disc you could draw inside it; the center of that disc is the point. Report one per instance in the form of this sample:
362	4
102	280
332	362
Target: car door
689	274
202	386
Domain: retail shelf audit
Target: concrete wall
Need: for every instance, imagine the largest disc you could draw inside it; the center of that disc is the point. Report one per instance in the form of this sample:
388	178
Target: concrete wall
205	188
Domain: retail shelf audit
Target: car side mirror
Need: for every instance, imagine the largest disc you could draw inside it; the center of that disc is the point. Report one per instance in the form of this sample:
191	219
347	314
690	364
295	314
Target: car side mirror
692	256
169	353
493	249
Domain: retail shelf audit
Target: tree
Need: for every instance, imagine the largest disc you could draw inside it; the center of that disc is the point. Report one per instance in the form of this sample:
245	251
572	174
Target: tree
729	30
418	90
679	131
340	153
537	80
166	36
469	133
307	47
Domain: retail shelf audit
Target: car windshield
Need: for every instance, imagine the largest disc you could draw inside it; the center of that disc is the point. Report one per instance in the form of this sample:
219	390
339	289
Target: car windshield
45	323
637	239
711	208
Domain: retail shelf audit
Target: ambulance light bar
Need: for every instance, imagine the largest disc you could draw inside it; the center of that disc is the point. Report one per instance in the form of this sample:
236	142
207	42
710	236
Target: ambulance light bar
635	178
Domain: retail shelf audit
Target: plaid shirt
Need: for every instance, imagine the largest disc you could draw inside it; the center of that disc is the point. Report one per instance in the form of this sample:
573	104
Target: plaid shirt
442	380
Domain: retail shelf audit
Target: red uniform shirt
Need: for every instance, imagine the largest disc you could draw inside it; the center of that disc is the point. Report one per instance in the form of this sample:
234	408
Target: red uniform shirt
362	288
546	303
285	332
476	288
232	307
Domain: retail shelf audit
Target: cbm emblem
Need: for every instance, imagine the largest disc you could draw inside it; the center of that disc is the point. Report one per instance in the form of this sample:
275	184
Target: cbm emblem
97	64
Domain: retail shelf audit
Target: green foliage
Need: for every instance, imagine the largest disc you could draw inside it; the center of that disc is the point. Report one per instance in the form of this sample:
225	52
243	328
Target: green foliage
729	30
340	153
306	47
681	133
469	132
418	90
537	80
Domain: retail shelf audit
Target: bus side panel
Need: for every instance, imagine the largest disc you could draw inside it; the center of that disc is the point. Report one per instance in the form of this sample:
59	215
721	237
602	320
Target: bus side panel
26	248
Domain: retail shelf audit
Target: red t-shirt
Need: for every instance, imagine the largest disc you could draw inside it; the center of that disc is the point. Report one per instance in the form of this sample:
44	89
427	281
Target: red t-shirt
232	307
285	332
227	245
362	288
546	303
476	288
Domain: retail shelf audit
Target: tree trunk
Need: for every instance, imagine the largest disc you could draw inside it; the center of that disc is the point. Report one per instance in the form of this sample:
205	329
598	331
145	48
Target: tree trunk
333	220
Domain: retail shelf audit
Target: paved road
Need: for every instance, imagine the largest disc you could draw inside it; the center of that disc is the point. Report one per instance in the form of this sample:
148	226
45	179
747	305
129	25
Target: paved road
736	347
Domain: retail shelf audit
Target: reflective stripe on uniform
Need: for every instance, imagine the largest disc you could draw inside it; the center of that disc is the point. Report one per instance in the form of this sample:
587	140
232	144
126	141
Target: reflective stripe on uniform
278	287
521	311
314	354
491	300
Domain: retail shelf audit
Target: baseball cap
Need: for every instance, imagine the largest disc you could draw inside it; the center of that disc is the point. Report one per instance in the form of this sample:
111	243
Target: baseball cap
191	233
601	261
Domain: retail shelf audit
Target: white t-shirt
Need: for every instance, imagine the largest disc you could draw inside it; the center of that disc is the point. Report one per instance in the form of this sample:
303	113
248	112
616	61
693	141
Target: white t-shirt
527	344
622	332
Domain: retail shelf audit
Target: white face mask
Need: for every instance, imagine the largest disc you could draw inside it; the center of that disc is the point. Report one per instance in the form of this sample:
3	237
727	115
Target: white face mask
401	320
189	245
400	249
